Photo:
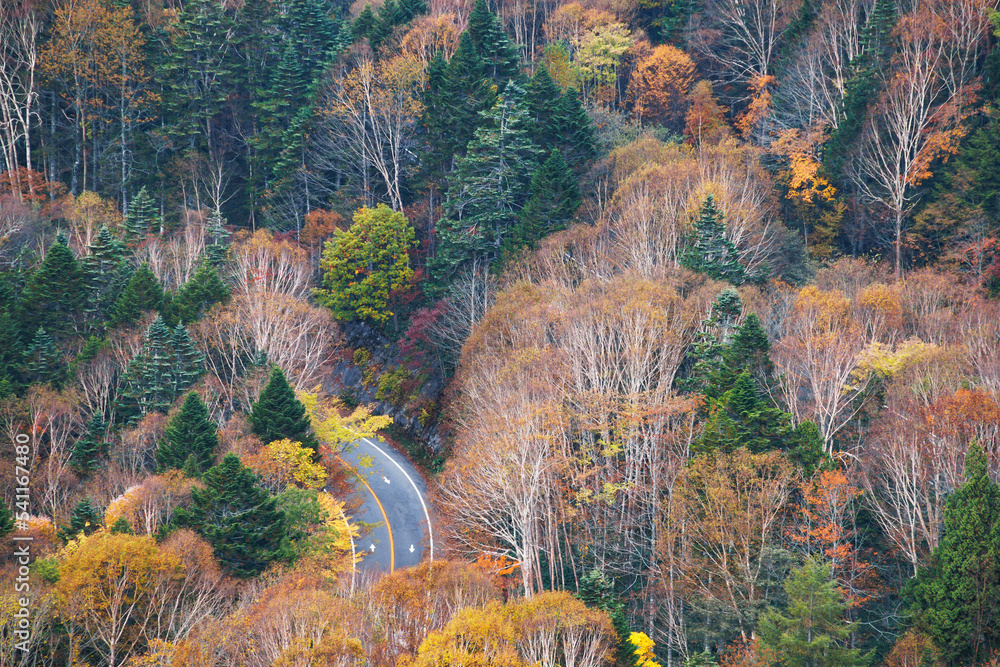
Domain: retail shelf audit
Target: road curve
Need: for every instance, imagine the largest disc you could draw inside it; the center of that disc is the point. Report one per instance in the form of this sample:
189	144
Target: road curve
394	501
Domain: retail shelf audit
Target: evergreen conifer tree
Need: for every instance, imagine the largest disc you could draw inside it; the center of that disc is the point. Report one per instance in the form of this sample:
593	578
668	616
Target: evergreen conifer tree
237	517
813	631
216	251
11	346
86	518
121	526
710	252
54	295
142	293
89	447
141	218
955	598
159	373
572	132
279	414
6	520
555	197
105	271
488	189
544	103
191	432
495	48
197	295
42	361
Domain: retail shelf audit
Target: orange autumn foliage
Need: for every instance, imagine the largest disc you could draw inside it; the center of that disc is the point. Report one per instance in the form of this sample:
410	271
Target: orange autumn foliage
660	84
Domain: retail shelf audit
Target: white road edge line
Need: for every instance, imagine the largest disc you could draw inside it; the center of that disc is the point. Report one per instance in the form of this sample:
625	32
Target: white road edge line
354	557
420	497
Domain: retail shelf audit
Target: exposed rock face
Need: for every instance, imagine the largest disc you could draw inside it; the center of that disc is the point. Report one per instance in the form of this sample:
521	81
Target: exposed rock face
346	375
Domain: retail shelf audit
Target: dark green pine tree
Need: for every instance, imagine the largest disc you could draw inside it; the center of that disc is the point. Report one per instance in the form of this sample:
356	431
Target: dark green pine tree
813	631
141	218
572	133
743	418
86	518
217	249
11	345
189	363
158	374
497	50
197	295
279	414
195	74
54	295
237	517
488	189
142	293
106	273
544	102
955	598
89	447
121	526
190	432
704	360
365	23
709	251
43	362
555	197
6	520
455	96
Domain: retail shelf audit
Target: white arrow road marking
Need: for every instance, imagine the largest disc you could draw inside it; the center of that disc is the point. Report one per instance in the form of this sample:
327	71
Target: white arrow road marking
372	547
386	479
423	505
411	548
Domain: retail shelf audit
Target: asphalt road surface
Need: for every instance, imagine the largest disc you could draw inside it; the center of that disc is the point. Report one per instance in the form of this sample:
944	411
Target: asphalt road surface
394	502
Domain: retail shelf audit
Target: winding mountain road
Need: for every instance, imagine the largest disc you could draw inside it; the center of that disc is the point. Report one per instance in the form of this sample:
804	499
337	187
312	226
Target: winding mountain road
394	504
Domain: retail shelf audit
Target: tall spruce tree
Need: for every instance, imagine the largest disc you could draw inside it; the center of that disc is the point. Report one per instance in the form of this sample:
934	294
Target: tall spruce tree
813	631
555	197
572	133
106	273
279	414
166	366
190	433
488	189
42	360
238	518
495	48
142	293
197	295
709	251
89	447
141	218
54	295
955	598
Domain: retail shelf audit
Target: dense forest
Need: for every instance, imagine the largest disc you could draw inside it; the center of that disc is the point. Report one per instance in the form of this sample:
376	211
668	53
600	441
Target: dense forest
687	311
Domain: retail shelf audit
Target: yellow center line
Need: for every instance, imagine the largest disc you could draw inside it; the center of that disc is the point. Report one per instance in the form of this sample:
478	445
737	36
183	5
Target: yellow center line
392	546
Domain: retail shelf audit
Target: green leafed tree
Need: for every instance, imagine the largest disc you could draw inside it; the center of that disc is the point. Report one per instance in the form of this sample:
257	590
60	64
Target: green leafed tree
278	414
191	432
709	251
238	518
813	630
495	48
955	597
364	265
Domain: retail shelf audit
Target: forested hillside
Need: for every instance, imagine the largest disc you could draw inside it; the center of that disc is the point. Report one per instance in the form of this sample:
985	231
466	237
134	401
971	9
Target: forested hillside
687	310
